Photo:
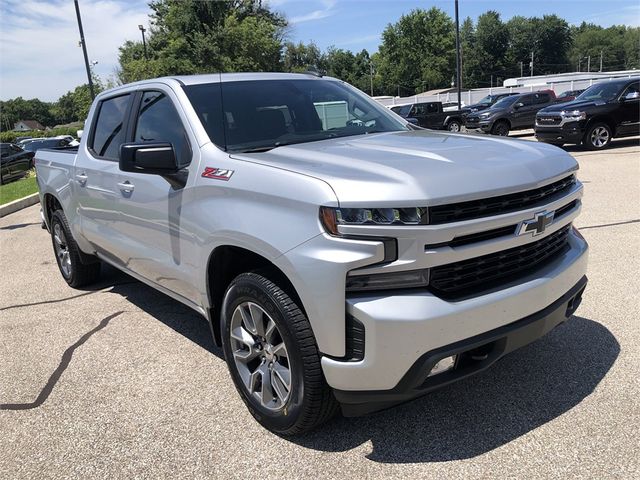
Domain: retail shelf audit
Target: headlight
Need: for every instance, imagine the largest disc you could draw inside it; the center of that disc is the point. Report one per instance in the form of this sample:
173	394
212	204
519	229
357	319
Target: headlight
332	217
574	115
388	281
485	115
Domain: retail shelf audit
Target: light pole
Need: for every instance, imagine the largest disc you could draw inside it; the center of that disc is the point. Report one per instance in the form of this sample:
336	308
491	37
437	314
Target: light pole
144	42
371	75
84	50
458	62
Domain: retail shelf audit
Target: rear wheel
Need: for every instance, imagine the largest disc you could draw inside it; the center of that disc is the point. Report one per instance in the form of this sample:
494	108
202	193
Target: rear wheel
273	358
598	136
75	273
501	128
454	126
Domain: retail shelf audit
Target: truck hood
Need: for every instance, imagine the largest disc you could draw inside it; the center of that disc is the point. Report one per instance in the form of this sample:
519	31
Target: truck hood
420	168
573	105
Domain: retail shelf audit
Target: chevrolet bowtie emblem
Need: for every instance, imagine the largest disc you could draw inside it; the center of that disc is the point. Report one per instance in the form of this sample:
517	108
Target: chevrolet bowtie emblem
538	224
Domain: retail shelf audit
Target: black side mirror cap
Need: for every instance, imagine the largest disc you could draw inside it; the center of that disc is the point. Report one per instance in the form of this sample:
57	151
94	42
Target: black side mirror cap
156	158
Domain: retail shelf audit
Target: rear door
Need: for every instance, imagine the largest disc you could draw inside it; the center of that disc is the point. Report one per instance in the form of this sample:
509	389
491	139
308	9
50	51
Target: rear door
629	112
96	175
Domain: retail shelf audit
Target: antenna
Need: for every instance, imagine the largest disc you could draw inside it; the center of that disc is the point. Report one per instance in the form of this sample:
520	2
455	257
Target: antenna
313	70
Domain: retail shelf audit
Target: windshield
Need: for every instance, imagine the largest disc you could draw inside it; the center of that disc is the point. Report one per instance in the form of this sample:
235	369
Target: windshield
488	100
601	91
505	102
264	114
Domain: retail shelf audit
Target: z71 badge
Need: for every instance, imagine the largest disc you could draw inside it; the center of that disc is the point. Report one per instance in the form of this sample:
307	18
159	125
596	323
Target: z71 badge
217	173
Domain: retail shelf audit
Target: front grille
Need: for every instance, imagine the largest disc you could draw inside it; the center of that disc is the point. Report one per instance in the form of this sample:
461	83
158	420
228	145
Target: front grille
472	277
485	207
550	120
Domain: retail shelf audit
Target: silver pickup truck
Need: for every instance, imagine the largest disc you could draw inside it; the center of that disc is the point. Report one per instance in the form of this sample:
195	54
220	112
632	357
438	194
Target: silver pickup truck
344	258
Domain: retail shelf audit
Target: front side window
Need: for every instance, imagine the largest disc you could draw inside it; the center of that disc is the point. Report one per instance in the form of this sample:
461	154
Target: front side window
263	114
109	131
158	121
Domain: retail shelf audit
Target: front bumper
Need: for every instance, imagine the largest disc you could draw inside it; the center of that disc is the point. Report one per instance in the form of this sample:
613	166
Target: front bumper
484	125
402	327
568	133
473	355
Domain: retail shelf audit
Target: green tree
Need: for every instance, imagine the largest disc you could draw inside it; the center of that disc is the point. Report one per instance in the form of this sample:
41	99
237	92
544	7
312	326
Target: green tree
190	36
488	52
418	52
14	110
298	57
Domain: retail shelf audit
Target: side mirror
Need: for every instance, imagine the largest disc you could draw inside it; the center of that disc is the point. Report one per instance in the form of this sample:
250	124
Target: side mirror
412	120
79	134
518	105
631	96
157	158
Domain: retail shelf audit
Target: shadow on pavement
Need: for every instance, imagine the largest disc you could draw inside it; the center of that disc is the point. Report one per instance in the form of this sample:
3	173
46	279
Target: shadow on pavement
521	392
172	313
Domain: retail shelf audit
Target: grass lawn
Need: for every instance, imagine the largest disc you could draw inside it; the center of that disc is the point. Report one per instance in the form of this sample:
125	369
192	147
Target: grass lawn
17	189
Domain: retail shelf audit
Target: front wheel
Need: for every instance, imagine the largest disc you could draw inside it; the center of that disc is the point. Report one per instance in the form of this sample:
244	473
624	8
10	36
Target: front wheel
454	126
598	136
501	128
273	358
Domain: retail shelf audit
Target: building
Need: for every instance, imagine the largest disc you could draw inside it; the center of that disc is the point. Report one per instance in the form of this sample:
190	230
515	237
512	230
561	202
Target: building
26	125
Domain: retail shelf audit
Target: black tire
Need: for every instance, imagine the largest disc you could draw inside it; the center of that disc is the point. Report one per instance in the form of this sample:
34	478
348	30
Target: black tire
598	136
454	126
75	272
310	400
500	128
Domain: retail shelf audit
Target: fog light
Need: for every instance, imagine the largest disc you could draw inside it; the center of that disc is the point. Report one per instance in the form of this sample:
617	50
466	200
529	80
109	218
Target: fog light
443	365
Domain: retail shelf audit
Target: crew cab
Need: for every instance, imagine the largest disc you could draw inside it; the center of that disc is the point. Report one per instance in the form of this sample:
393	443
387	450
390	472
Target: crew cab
516	112
602	112
350	266
430	115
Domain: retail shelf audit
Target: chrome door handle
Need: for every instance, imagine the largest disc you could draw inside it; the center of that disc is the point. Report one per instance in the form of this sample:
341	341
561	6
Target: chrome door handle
126	187
82	178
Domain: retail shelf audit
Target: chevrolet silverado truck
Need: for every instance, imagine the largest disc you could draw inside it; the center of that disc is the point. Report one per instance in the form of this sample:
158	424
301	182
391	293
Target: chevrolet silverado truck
351	266
602	112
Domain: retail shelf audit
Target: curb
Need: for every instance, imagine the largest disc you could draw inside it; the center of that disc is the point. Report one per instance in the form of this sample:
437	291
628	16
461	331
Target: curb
19	204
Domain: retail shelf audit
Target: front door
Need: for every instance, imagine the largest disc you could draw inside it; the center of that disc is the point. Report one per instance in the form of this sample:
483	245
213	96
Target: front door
629	117
150	207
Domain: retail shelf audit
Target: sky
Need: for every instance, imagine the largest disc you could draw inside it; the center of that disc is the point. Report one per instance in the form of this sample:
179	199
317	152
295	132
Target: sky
40	56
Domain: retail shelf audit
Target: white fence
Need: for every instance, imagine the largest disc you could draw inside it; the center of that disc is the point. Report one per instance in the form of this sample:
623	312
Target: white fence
473	96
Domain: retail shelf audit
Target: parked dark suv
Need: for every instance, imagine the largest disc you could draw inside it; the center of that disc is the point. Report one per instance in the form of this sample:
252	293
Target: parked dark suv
486	102
516	112
603	111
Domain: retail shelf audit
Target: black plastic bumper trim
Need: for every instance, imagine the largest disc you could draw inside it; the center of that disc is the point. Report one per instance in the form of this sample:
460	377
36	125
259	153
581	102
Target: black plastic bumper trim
488	346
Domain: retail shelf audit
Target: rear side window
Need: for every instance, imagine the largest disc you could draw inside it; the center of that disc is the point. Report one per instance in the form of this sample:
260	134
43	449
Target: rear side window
109	131
543	98
158	121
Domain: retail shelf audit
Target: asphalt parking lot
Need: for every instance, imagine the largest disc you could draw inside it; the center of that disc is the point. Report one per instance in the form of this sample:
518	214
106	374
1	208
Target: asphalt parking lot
121	381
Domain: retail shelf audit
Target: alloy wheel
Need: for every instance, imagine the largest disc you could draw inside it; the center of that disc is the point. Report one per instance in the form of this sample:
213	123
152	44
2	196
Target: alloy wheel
599	137
62	250
260	355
